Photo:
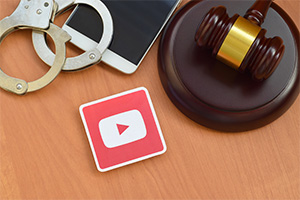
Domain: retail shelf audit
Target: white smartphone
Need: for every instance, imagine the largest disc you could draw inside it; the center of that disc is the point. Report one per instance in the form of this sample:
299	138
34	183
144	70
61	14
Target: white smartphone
137	23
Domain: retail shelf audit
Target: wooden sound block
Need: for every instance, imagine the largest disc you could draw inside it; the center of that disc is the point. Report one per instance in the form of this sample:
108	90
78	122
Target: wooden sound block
213	94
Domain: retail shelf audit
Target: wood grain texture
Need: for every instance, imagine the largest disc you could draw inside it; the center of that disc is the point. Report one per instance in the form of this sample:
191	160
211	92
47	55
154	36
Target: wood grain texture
45	154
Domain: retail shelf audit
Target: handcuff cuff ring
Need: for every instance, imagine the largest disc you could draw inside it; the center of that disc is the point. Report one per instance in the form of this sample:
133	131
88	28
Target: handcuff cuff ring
35	15
88	58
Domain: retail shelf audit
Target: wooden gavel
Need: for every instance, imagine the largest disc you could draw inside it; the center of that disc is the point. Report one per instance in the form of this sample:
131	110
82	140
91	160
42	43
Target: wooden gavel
240	42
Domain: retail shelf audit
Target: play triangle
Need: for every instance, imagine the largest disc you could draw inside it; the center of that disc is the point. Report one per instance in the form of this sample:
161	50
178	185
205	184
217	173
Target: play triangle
122	128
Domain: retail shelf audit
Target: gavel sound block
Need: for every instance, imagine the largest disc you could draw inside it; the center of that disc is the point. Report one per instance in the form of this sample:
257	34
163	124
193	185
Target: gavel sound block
211	93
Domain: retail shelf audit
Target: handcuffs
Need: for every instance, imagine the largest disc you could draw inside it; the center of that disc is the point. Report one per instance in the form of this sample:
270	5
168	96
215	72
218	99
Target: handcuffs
39	15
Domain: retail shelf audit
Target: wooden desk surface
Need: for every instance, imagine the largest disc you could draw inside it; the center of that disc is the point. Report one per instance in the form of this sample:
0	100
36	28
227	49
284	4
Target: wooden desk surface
45	154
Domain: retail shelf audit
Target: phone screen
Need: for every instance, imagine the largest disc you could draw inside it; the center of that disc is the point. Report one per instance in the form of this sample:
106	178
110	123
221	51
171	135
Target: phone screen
136	24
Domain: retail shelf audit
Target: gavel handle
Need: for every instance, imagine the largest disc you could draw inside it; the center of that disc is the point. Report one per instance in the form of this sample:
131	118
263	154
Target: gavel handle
258	11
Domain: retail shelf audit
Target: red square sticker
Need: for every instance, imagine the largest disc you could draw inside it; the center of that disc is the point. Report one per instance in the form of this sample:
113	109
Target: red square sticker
122	129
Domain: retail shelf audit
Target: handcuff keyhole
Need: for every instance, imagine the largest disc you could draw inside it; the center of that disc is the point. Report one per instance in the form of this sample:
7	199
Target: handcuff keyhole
46	4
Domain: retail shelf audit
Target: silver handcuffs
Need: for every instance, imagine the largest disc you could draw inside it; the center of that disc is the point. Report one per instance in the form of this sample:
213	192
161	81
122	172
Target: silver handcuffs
39	15
91	56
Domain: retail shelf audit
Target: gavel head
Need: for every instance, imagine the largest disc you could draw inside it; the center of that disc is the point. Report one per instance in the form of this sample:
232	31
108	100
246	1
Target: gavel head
239	43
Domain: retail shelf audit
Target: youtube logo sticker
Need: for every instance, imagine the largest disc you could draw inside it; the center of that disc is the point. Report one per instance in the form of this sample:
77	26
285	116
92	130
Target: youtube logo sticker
122	129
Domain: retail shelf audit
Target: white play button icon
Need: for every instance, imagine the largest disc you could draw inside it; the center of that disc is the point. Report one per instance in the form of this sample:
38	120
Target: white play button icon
123	128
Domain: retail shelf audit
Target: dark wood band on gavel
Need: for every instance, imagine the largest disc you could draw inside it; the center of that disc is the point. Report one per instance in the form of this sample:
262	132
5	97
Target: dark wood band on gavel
240	42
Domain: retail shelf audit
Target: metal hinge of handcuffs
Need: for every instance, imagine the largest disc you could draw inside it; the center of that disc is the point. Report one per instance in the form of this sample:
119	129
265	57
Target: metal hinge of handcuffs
39	15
